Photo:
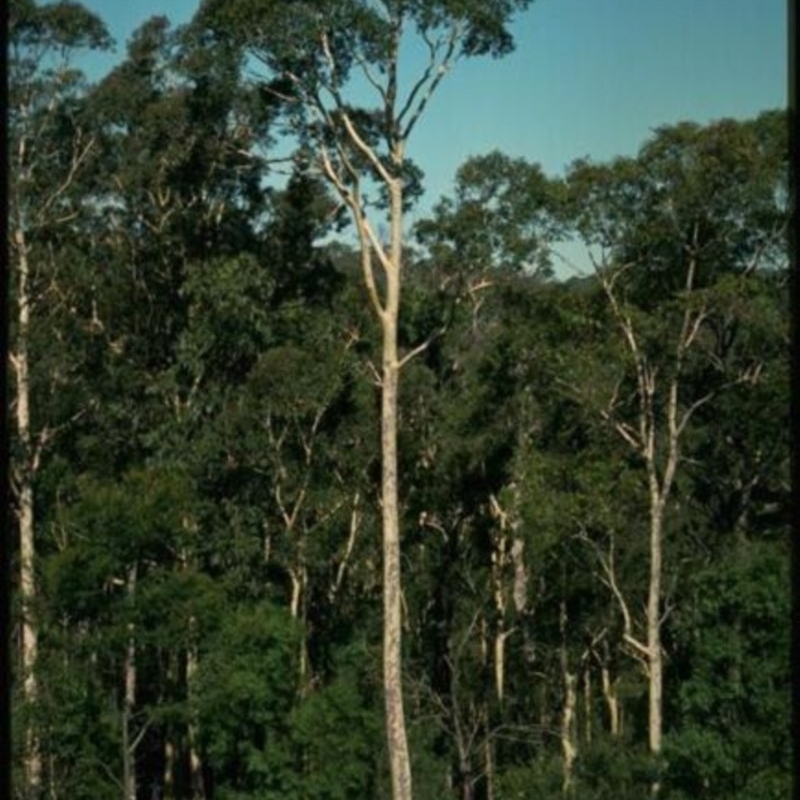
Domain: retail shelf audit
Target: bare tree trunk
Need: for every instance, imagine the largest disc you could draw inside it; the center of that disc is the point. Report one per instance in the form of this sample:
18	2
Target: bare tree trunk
502	558
392	588
195	762
175	675
27	550
129	743
297	608
489	763
388	312
569	746
500	634
612	702
588	702
655	658
169	767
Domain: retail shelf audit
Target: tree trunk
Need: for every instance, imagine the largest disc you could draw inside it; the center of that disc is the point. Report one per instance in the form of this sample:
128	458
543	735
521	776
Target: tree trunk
489	764
174	675
655	657
568	738
612	701
27	551
588	702
298	610
129	743
168	777
392	588
195	763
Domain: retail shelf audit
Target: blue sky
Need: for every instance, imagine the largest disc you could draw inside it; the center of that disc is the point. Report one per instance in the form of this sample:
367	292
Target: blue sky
588	78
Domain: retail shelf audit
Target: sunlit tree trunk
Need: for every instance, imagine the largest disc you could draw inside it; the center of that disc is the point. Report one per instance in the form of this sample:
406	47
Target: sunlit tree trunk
392	591
24	475
656	436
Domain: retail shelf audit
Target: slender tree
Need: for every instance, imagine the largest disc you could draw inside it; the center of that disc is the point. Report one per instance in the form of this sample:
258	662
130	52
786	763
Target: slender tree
683	230
309	51
48	149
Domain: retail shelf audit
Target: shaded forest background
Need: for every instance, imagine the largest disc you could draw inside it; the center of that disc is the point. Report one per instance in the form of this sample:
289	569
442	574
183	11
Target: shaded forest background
196	454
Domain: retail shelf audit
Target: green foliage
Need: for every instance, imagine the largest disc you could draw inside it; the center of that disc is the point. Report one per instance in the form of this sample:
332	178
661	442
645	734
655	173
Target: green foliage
336	766
731	706
715	195
502	218
244	692
204	405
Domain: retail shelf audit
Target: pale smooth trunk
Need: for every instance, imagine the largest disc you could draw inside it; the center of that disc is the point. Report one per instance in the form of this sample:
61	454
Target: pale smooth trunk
169	767
588	703
655	658
392	599
397	741
170	755
612	702
195	762
27	551
569	746
297	608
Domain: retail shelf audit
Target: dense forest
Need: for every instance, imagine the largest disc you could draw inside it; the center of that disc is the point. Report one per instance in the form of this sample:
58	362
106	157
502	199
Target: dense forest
247	471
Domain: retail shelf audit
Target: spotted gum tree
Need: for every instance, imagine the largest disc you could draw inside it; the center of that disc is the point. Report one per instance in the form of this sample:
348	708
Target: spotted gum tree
320	60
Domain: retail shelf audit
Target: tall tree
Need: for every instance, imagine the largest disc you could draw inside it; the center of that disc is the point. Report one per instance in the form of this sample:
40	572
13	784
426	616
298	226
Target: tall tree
309	51
49	147
683	230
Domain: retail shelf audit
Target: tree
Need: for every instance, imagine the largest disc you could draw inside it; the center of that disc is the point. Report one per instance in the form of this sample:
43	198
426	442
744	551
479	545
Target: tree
309	51
731	705
49	147
500	219
682	231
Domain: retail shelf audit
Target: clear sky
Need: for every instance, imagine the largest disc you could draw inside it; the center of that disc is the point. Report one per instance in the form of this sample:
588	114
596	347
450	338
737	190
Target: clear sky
588	78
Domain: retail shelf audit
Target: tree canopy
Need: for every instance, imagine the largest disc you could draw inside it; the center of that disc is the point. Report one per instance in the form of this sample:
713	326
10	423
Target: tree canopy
197	386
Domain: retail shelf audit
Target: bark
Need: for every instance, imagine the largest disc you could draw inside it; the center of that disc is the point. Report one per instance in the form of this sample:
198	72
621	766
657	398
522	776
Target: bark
297	608
25	515
170	763
655	657
195	762
392	595
569	746
612	702
129	741
489	766
174	674
588	703
504	557
498	564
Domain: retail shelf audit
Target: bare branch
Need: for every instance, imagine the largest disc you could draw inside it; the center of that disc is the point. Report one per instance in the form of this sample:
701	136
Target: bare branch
355	524
441	71
372	80
78	157
368	151
610	580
